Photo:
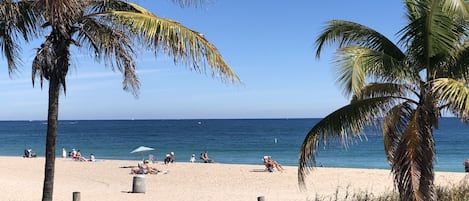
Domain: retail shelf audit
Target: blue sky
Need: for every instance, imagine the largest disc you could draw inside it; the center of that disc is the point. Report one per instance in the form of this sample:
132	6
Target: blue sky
269	44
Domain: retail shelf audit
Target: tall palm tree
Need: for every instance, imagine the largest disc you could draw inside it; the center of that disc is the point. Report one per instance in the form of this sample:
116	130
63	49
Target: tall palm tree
402	88
109	29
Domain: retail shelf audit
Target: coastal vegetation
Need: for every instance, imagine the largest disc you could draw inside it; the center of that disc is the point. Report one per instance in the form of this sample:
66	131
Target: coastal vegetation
110	30
405	86
455	192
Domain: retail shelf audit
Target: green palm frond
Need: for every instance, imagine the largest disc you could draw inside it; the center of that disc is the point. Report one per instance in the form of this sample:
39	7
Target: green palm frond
351	70
347	33
454	93
418	8
432	33
457	6
114	47
16	18
394	124
110	5
342	124
456	67
185	3
413	161
183	44
357	64
396	90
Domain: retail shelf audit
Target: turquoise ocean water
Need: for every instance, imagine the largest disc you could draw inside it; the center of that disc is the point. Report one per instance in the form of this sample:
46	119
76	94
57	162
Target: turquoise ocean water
241	141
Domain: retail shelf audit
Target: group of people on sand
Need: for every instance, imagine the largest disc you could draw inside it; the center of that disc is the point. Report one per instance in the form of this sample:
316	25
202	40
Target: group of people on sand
144	168
170	158
76	155
271	164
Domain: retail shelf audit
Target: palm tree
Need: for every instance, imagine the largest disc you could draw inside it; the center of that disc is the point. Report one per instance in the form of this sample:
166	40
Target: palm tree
402	88
109	29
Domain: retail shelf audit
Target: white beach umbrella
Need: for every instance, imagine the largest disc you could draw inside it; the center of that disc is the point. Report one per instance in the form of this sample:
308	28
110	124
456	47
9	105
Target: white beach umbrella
142	149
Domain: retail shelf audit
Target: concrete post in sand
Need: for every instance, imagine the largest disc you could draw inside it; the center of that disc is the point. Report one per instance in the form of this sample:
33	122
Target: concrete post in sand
76	196
138	184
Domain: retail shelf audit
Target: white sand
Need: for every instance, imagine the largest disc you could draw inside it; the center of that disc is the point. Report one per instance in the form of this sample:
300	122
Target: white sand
21	179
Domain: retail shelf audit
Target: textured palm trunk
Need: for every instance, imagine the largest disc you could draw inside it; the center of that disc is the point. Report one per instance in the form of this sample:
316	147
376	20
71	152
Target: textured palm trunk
57	74
52	122
413	168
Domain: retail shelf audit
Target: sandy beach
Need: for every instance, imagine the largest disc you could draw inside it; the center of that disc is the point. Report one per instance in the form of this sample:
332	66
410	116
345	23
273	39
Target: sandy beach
22	178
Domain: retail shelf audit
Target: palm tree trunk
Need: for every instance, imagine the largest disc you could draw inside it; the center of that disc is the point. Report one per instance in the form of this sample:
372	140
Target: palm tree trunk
52	122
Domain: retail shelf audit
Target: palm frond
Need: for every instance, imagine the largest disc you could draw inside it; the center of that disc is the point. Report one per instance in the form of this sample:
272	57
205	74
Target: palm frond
342	124
357	64
394	124
16	18
179	42
185	3
413	162
61	12
459	7
418	8
42	62
114	47
432	34
347	33
351	71
456	67
454	93
396	90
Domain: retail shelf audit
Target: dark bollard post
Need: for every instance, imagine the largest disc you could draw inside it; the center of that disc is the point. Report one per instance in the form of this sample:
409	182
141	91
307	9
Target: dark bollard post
138	184
76	196
260	198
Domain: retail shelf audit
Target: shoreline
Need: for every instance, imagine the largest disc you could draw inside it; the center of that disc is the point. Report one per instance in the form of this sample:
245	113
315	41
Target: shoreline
22	180
227	163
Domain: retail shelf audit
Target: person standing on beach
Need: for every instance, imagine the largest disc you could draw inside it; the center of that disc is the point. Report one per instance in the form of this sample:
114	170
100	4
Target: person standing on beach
64	153
466	165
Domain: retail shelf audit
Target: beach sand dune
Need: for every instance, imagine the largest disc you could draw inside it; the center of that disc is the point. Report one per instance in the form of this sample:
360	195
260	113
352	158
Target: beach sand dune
110	180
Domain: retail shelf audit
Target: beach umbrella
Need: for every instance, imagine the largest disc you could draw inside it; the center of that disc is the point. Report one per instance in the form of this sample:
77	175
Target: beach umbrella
142	149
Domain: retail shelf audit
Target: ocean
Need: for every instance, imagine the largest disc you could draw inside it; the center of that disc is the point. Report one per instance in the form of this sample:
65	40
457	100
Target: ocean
239	141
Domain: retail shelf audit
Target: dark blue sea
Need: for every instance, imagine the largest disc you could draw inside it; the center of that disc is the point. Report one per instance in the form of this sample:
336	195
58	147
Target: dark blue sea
241	141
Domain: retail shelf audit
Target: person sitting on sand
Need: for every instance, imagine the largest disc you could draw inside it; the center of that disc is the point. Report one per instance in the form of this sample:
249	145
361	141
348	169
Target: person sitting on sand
272	164
167	159
205	158
144	168
92	158
73	154
268	165
78	155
